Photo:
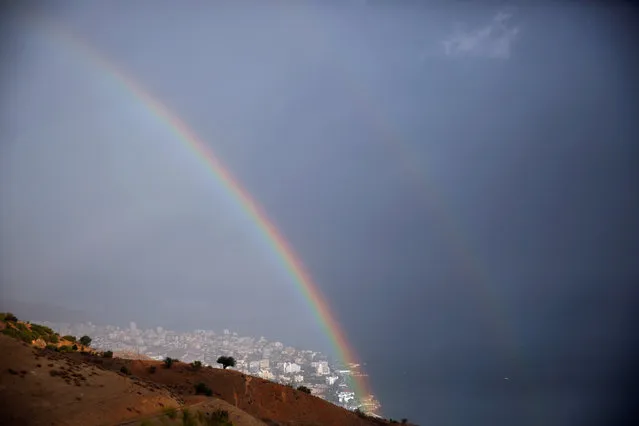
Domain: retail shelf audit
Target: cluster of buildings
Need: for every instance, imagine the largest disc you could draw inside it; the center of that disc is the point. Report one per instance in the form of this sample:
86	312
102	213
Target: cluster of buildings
259	357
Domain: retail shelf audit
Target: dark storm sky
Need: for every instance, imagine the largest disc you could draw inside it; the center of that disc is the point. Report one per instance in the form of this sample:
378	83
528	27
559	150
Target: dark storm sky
458	178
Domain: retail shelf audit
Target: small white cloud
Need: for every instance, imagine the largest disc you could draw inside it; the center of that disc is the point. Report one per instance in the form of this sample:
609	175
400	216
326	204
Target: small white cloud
494	40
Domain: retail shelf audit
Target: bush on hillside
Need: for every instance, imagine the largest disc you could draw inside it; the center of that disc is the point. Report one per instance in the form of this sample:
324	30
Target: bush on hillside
187	418
170	412
304	389
74	347
125	370
70	338
23	327
202	389
10	317
220	417
107	354
226	361
404	421
65	349
196	365
360	413
168	362
85	341
24	335
42	330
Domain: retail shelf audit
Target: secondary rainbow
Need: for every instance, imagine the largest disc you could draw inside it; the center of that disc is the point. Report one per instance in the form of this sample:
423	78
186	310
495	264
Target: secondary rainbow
475	271
208	158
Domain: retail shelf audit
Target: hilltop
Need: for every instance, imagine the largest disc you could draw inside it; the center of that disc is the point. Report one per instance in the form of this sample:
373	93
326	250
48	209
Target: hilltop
56	380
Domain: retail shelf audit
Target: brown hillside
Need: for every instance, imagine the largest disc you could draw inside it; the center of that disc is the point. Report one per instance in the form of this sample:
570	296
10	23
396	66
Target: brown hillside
38	389
273	403
40	386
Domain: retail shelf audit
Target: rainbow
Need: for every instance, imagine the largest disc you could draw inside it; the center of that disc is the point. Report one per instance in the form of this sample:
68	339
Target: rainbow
473	270
199	148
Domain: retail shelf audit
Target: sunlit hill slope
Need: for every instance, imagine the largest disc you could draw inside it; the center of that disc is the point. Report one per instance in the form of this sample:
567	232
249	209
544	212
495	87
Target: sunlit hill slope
47	379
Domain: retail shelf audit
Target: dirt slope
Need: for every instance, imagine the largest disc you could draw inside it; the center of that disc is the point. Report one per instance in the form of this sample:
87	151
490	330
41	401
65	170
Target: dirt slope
39	387
271	402
196	412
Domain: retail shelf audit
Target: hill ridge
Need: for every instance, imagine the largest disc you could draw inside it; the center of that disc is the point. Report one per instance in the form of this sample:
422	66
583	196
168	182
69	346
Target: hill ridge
44	380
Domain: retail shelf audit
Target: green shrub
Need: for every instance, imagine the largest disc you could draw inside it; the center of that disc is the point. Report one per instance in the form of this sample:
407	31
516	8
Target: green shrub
202	389
24	335
54	338
226	361
360	413
42	330
196	365
107	354
70	338
10	317
220	417
304	389
170	412
168	362
187	418
85	341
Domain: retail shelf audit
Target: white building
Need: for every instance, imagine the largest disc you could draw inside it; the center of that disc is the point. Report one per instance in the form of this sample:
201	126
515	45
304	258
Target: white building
323	368
265	374
291	367
345	396
330	380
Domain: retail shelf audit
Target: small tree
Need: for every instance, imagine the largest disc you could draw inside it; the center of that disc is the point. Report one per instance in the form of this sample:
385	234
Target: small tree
10	317
226	361
304	389
220	417
85	341
202	389
196	365
168	362
108	354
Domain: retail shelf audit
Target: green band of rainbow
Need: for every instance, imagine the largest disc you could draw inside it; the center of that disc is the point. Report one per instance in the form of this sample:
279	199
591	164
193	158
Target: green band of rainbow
208	158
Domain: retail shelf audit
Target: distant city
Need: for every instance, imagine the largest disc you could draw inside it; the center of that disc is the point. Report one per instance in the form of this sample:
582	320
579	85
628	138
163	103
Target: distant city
269	360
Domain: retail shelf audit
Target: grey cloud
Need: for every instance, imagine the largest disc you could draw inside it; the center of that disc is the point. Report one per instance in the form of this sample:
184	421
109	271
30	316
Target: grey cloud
494	40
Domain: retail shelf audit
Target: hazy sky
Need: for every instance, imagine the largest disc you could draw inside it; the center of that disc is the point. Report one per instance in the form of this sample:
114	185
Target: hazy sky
459	178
